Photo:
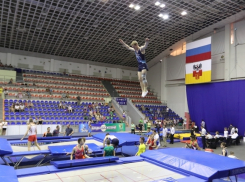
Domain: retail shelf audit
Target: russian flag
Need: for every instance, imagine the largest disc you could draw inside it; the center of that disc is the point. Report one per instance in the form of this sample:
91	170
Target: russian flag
198	51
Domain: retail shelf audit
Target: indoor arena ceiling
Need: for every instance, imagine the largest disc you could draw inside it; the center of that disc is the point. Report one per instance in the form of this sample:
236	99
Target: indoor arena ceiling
90	29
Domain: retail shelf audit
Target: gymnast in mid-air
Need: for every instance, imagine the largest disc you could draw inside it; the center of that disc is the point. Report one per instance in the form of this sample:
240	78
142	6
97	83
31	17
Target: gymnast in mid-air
142	66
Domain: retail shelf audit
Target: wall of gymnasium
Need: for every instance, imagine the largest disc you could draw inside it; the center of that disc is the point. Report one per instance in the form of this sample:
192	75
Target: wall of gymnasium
231	67
36	63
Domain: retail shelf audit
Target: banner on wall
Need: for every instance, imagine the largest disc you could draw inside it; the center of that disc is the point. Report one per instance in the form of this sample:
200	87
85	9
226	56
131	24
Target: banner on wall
121	101
198	61
114	127
83	128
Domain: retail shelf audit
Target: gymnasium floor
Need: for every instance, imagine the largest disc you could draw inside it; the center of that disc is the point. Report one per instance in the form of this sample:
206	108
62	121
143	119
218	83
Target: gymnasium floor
139	171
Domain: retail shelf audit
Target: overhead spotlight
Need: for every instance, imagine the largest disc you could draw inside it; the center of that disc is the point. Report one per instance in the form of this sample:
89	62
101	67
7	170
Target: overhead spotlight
137	7
162	5
157	3
184	13
131	5
165	17
160	15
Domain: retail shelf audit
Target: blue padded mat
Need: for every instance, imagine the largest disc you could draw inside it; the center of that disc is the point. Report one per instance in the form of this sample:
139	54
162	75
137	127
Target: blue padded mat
5	147
63	149
125	139
200	164
83	162
187	179
25	153
131	159
32	171
8	174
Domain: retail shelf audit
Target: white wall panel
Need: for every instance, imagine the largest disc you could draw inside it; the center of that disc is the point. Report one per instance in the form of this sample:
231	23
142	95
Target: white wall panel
154	78
218	43
176	67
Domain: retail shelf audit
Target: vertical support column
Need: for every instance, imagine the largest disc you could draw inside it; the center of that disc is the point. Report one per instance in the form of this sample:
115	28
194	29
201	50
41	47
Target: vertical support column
9	60
88	70
163	79
119	73
51	68
228	40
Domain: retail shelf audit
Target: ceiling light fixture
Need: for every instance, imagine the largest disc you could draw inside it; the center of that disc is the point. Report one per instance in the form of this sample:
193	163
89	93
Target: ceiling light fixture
162	5
157	3
184	13
160	15
131	5
165	17
137	7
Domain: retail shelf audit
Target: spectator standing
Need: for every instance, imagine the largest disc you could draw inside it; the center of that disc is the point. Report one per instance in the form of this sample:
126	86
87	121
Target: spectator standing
11	81
6	93
69	109
28	94
4	127
225	132
48	133
69	131
132	128
172	132
230	127
56	132
203	134
232	130
164	135
78	100
40	121
203	124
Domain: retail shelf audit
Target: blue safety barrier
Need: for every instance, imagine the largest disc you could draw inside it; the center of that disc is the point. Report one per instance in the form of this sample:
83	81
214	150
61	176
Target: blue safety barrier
82	162
7	174
64	149
5	147
195	162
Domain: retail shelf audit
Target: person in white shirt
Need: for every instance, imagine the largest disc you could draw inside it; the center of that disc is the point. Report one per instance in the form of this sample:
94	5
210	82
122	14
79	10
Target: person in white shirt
203	134
236	129
69	108
156	139
232	130
164	135
4	126
17	108
232	155
114	140
184	123
209	136
172	132
32	132
35	120
5	92
234	136
225	132
217	135
22	107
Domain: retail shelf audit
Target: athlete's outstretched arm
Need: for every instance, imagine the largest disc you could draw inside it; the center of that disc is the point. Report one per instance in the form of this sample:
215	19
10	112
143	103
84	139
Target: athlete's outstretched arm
142	48
126	45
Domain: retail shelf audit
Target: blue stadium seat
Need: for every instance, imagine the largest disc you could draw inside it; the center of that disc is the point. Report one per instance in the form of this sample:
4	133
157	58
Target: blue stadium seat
23	123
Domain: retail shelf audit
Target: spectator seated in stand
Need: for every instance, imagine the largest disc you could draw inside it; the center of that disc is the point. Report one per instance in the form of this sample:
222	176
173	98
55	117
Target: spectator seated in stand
69	109
28	94
19	95
11	81
17	108
67	95
40	121
22	107
30	104
12	108
64	95
78	100
6	93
